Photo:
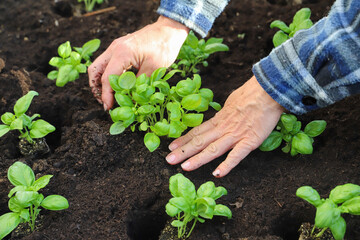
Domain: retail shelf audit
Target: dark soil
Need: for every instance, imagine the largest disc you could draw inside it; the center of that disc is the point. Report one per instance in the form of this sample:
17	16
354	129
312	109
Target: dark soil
117	189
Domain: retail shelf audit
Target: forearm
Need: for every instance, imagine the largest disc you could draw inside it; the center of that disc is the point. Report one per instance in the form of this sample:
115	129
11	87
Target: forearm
318	66
198	15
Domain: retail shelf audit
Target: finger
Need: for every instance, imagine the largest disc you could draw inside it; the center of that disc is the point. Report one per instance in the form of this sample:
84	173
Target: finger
196	131
197	144
117	65
95	71
212	151
239	152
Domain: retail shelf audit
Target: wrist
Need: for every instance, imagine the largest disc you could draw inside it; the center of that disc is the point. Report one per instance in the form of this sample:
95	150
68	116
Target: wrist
172	24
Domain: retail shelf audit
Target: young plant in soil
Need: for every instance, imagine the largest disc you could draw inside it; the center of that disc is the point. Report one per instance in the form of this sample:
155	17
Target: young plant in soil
195	51
189	205
342	199
89	4
31	130
25	201
150	104
71	63
289	130
301	21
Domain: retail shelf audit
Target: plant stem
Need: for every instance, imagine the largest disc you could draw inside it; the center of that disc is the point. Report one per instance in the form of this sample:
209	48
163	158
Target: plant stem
322	232
191	228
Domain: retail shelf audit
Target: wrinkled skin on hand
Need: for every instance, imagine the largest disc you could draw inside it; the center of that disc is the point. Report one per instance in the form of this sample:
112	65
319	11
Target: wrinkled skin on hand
156	45
249	115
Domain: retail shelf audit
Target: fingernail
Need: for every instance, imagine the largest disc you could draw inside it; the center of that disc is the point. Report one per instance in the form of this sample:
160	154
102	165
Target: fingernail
170	158
216	173
185	165
173	146
105	107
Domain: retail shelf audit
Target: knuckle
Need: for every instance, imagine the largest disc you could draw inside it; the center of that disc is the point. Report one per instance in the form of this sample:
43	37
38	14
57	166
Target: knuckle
198	141
212	149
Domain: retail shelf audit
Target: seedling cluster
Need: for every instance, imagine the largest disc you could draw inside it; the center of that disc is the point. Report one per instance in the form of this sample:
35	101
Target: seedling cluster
301	21
71	63
152	105
195	51
25	201
342	199
28	128
90	4
289	130
189	205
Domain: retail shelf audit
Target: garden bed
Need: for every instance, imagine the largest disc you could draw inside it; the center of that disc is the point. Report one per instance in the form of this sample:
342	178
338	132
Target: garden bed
116	188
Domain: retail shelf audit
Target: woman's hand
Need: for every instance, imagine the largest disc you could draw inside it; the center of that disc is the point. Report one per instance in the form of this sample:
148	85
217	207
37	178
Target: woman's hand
249	115
156	45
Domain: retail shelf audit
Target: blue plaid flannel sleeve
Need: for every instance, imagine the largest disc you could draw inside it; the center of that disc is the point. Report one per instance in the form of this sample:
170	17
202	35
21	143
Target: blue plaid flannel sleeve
198	15
318	66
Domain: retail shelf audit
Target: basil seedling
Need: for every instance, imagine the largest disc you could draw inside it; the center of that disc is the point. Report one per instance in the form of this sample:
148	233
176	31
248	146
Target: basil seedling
189	205
150	104
89	4
195	51
25	200
342	199
289	130
28	128
70	63
301	21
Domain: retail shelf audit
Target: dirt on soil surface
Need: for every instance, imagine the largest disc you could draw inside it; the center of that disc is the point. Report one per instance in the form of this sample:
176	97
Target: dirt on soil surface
116	188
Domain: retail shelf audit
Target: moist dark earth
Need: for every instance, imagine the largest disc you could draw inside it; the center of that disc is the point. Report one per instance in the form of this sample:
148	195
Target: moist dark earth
116	188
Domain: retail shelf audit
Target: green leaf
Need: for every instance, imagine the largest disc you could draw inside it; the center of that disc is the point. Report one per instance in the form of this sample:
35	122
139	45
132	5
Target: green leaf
152	142
301	15
192	40
302	143
113	80
122	113
174	109
281	25
81	68
55	202
146	109
16	124
205	207
326	214
127	80
157	74
20	174
15	206
191	102
89	48
197	81
207	94
123	100
75	58
215	106
304	25
53	75
56	62
23	103
16	189
193	119
143	126
296	128
67	73
164	87
215	47
24	198
288	121
161	128
157	98
117	128
279	38
344	192
8	222
219	192
177	223
7	118
351	206
185	87
310	195
315	128
222	210
64	50
181	186
176	129
25	214
204	105
180	203
41	182
170	74
206	189
41	128
38	200
338	229
171	210
272	142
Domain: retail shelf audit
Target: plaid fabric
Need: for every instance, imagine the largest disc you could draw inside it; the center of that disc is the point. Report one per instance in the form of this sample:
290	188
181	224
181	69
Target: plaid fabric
321	63
198	15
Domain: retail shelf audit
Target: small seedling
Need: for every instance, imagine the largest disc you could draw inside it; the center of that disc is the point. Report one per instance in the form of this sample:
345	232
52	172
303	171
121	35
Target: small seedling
25	200
289	130
342	199
71	63
189	205
28	128
150	104
301	21
89	4
195	51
